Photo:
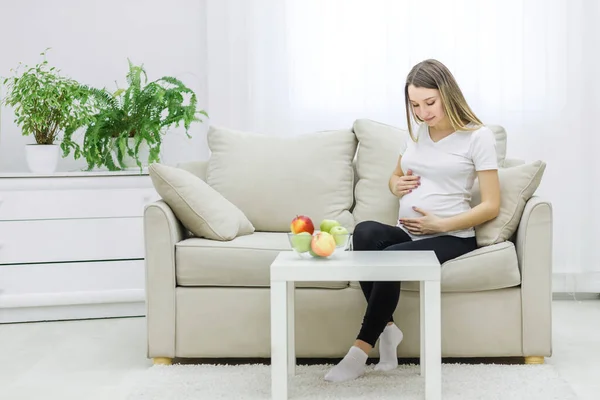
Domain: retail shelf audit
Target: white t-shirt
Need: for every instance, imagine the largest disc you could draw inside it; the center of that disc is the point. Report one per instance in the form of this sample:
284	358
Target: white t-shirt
447	169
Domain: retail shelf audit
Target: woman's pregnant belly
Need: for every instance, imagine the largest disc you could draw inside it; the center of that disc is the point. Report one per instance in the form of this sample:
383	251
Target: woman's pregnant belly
434	200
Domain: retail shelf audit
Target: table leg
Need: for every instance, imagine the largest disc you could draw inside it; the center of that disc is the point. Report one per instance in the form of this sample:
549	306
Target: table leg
433	340
291	339
422	355
279	338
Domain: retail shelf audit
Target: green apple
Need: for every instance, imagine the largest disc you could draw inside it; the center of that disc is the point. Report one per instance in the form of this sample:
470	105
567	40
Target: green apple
301	242
340	235
327	224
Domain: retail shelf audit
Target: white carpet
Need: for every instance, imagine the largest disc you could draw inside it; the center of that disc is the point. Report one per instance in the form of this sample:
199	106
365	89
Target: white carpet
464	382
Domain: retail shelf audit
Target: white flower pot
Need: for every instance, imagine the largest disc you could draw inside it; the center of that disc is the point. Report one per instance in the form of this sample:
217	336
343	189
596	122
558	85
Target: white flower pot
42	158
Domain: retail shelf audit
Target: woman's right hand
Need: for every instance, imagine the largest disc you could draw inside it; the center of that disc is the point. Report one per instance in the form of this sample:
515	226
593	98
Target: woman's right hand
406	183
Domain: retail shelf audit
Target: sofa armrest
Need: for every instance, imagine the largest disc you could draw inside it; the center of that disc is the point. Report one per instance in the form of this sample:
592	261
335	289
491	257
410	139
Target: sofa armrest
534	253
162	230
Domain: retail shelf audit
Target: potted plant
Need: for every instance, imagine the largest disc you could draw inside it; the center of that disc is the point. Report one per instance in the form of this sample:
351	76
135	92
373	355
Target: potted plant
128	129
45	103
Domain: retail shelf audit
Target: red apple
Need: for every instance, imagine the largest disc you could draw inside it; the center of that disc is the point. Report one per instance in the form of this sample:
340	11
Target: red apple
323	244
302	224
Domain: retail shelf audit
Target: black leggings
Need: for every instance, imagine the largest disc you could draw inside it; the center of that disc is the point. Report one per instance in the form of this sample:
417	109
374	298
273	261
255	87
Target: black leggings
382	297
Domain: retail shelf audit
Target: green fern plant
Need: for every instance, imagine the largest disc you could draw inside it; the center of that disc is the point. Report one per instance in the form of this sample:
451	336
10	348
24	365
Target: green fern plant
128	118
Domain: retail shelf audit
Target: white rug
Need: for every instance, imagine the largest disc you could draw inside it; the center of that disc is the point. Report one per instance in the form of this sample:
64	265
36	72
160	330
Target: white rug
461	382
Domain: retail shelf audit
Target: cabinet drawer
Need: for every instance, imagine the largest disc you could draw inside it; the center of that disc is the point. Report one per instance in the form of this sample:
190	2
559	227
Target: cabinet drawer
71	277
86	203
71	240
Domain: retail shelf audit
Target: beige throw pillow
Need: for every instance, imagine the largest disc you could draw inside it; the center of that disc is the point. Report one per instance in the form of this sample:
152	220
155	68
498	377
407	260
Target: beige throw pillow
517	185
200	208
274	178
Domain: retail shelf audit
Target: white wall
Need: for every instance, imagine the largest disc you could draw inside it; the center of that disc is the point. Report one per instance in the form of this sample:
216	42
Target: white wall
91	41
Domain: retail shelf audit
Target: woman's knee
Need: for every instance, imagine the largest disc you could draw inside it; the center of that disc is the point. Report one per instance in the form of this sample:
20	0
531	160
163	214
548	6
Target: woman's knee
365	235
411	245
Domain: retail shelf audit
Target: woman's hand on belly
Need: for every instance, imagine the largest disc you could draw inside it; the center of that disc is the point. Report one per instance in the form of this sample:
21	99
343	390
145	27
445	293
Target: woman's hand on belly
405	184
425	225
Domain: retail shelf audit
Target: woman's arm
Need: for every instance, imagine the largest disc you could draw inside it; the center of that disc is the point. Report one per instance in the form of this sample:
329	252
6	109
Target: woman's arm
395	175
488	208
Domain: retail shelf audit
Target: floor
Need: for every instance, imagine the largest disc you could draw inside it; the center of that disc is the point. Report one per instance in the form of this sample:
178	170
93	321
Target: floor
100	359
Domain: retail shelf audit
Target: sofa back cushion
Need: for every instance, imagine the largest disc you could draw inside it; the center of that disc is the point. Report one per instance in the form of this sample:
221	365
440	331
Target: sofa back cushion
379	146
198	168
274	178
500	135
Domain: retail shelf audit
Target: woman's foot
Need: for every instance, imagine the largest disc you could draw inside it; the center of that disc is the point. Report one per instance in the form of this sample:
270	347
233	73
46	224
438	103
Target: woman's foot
388	346
352	366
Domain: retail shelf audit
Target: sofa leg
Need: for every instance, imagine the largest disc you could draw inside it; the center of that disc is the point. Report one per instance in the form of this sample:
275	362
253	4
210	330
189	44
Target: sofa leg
162	361
534	360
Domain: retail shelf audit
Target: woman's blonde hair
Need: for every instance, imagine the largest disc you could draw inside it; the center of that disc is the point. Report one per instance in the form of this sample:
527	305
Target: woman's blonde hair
432	74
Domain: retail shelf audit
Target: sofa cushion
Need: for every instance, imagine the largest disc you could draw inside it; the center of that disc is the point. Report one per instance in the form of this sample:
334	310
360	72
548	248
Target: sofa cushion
379	146
242	262
197	168
200	208
500	136
486	268
517	185
274	178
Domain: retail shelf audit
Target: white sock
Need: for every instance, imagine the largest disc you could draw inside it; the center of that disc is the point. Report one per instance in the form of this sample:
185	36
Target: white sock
352	366
388	344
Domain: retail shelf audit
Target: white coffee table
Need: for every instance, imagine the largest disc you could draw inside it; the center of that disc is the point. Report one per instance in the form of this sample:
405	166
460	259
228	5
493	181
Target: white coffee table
288	268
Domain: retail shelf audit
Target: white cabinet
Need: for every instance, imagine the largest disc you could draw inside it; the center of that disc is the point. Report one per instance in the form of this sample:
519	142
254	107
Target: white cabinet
71	245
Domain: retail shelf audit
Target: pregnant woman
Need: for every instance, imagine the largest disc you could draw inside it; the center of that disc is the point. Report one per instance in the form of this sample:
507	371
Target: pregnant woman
433	180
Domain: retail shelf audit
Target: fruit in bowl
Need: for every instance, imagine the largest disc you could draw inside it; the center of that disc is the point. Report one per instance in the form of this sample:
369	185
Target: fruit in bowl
322	244
327	224
340	235
332	238
300	242
302	223
318	245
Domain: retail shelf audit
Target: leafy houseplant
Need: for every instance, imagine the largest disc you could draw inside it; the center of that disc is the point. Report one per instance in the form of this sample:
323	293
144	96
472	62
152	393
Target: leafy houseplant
132	118
45	103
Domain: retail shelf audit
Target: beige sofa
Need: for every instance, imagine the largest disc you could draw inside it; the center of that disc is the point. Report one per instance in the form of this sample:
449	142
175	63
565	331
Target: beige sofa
209	298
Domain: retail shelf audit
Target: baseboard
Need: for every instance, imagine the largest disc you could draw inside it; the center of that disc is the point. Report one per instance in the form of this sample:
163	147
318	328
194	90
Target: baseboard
578	282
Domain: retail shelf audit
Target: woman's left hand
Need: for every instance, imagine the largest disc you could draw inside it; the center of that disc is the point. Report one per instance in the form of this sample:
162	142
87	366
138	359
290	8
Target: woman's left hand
425	225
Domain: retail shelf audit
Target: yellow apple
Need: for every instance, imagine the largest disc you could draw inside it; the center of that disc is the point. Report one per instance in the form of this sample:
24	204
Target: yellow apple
322	244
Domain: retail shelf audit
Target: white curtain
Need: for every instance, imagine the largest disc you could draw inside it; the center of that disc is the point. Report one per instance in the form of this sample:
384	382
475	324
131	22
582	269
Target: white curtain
285	67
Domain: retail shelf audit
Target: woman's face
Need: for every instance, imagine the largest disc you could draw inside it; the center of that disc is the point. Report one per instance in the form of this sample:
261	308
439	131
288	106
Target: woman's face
427	104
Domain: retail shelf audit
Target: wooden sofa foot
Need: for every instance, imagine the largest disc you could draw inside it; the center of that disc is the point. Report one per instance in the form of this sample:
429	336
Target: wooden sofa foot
534	360
162	361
